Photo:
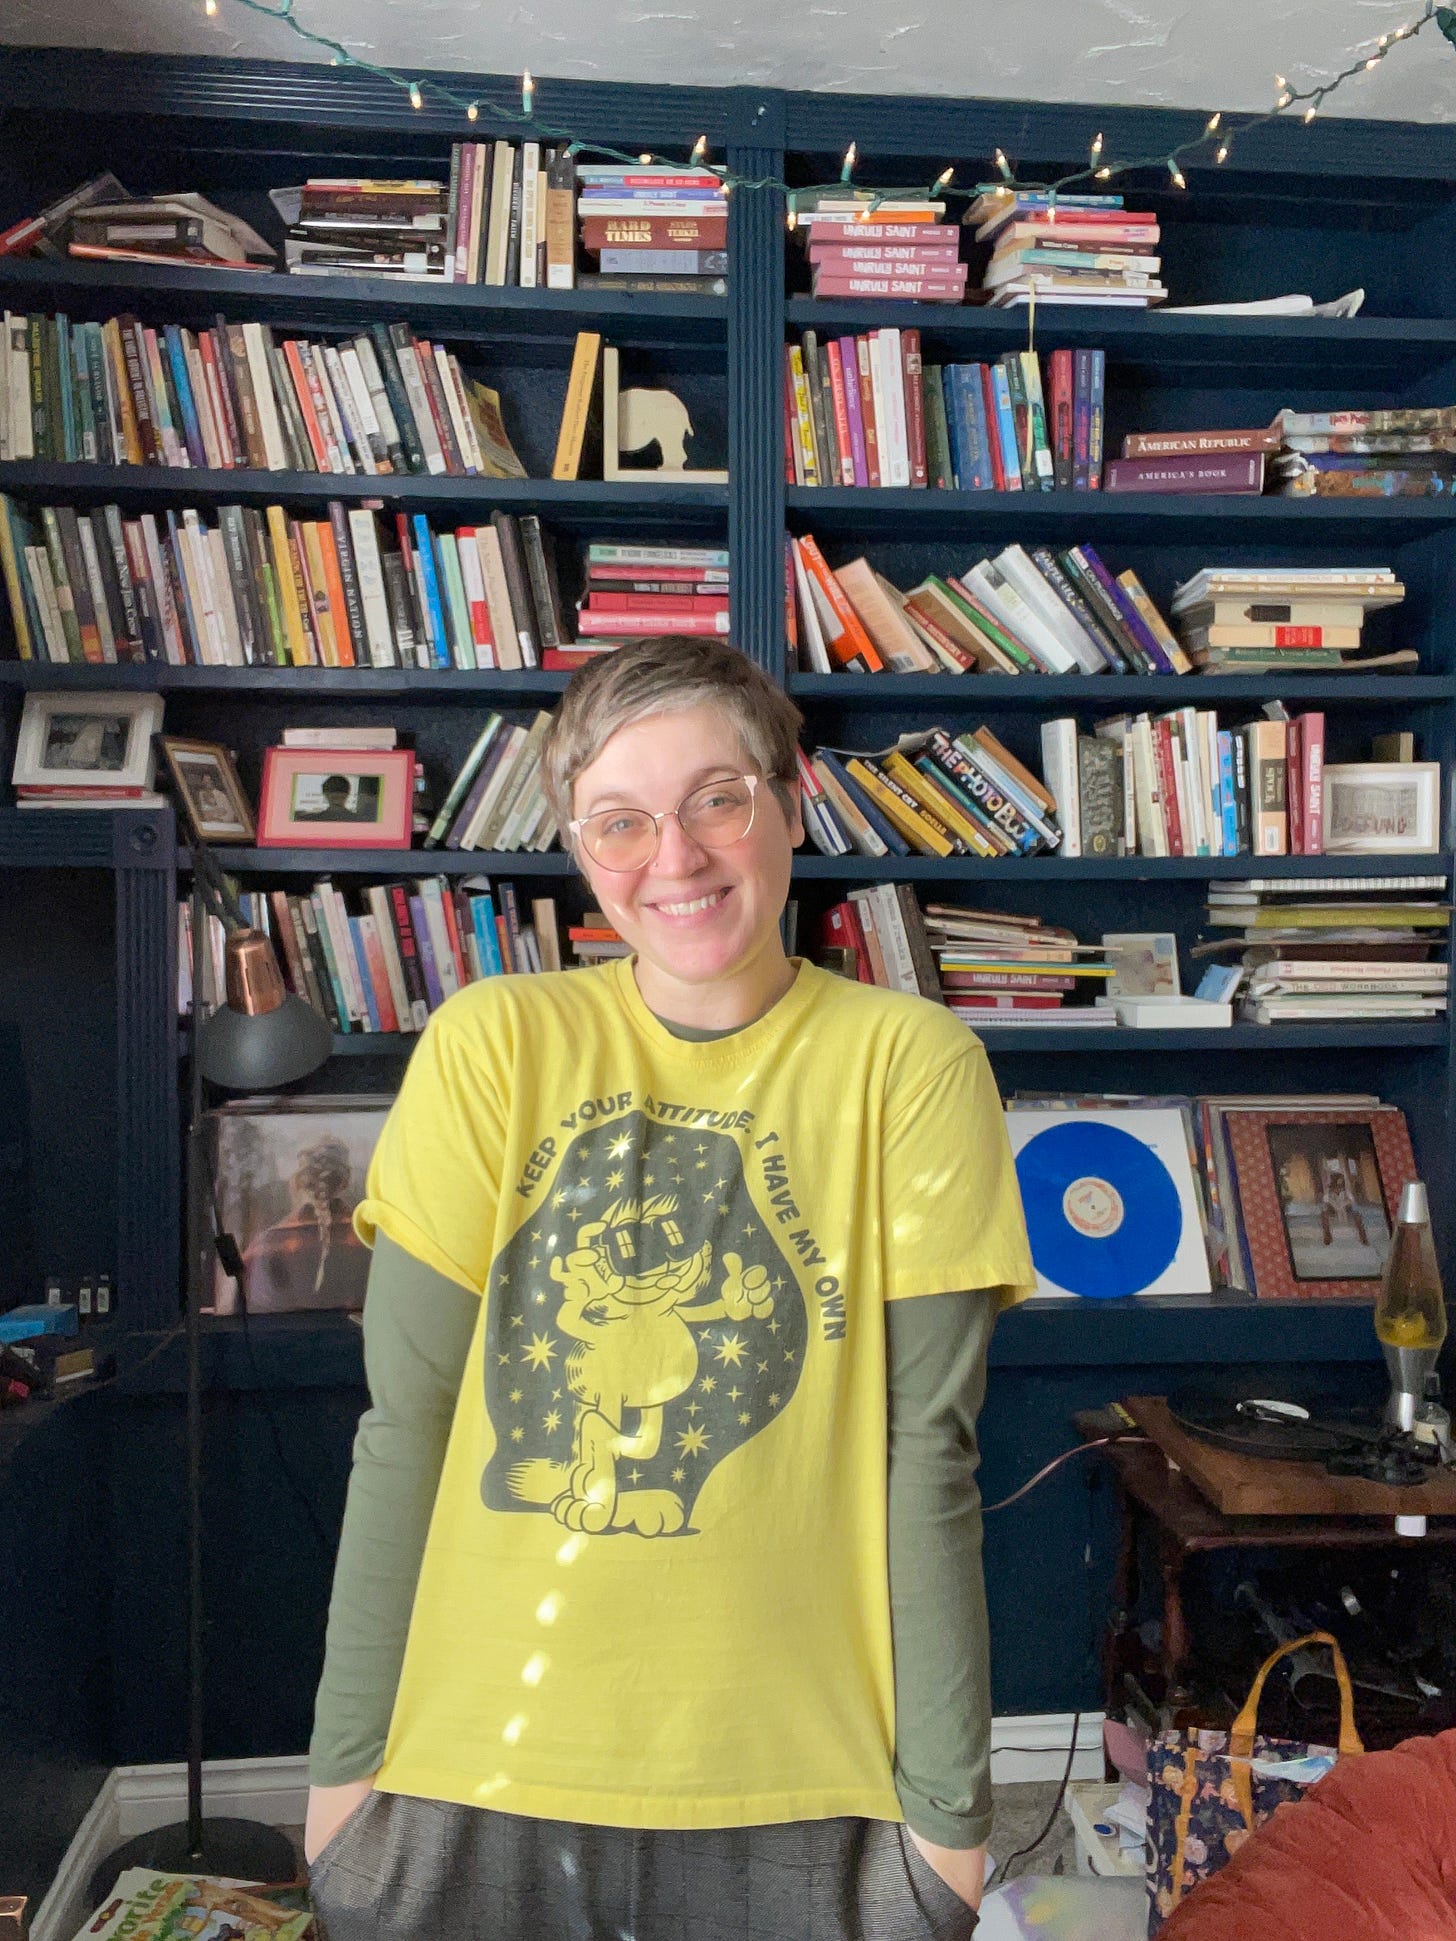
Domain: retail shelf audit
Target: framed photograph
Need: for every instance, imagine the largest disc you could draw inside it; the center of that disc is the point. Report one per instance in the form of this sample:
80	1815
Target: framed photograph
95	740
290	1172
336	798
1318	1193
1144	963
209	790
1382	808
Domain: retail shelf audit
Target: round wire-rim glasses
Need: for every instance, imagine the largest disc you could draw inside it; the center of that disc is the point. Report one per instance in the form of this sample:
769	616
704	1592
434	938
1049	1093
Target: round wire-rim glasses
714	815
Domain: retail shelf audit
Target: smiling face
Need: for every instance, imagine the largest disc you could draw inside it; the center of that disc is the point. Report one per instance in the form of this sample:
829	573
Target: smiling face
703	922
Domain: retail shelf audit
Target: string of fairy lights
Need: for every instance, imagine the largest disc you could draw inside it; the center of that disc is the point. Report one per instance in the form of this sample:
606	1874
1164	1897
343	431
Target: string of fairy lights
1214	143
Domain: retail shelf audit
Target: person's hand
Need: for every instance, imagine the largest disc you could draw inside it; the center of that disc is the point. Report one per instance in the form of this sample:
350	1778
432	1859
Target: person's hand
963	1869
328	1808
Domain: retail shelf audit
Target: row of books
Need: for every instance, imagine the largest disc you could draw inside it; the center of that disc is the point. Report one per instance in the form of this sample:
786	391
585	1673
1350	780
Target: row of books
896	245
1266	619
1404	453
864	411
262	588
932	795
381	957
1036	612
121	393
1177	784
1321	951
1064	249
496	800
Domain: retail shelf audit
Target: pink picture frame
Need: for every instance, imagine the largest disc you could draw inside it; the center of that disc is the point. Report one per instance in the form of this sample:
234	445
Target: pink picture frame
336	798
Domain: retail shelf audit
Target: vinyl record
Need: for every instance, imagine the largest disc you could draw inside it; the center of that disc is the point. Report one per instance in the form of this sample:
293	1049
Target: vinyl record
1103	1214
1255	1426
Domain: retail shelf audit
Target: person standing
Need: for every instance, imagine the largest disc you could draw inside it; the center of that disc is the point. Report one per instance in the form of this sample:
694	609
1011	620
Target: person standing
658	1608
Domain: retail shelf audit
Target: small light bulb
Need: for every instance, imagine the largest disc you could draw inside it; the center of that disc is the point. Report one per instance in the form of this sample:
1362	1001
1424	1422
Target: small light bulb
792	218
943	180
472	113
1213	121
1309	115
528	92
1104	175
1222	155
1280	82
1001	162
1096	147
1179	179
851	155
1374	61
700	149
416	99
1284	99
209	7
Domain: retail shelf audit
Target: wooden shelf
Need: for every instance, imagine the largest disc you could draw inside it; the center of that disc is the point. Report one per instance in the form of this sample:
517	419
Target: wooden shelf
1111	869
389	862
583	503
1400	1034
915	692
338	683
450	310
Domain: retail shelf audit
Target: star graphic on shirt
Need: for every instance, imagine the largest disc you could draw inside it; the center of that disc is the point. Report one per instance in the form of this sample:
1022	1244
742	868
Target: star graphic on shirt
773	1327
708	1384
535	1261
700	1147
503	1361
773	1401
535	1233
694	1408
778	1283
730	1351
615	1178
556	1394
719	1184
540	1300
518	1435
744	1419
749	1231
516	1395
649	1179
734	1393
540	1352
620	1146
551	1421
763	1368
634	1475
575	1213
670	1140
789	1354
679	1475
558	1198
503	1280
693	1441
517	1321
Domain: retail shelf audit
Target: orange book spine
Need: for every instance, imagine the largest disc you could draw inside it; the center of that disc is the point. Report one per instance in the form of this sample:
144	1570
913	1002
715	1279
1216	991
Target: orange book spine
334	588
305	405
851	646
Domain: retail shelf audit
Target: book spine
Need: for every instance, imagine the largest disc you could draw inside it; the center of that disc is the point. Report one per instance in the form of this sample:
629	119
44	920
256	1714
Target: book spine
840	401
1061	420
914	407
1096	389
1006	428
1312	745
399	402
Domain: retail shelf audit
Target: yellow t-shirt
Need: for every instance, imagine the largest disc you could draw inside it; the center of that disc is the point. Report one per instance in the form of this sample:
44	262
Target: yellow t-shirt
654	1592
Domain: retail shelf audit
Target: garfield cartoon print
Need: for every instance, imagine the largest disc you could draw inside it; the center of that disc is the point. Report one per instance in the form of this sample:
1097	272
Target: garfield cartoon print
643	1324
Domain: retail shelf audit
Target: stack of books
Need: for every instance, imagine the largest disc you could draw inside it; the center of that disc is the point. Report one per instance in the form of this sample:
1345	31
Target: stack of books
1066	248
634	592
359	226
101	222
593	940
380	957
1219	462
1404	453
999	970
864	411
1021	612
1269	620
934	795
496	799
233	397
654	226
263	588
894	245
1177	784
1342	948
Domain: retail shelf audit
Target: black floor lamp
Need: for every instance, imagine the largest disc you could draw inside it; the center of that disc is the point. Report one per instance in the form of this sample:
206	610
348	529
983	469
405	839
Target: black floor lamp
261	1038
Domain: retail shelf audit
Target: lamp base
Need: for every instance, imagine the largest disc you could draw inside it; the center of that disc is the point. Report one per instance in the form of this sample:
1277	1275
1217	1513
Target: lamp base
233	1849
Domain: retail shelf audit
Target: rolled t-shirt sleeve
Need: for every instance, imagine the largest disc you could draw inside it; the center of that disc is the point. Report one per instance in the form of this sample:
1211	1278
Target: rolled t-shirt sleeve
952	1208
434	1182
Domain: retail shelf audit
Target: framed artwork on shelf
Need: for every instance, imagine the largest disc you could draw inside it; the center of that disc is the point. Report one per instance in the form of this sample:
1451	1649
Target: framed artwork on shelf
1382	808
1318	1192
290	1172
99	741
209	790
336	798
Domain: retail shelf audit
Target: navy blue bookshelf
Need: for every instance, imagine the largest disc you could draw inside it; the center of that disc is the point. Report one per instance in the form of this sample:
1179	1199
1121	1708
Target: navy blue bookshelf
1321	208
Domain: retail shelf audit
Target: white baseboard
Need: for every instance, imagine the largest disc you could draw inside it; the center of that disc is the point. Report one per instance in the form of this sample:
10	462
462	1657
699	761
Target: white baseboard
1034	1745
134	1799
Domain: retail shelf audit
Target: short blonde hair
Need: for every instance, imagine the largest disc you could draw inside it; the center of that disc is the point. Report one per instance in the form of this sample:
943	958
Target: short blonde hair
668	676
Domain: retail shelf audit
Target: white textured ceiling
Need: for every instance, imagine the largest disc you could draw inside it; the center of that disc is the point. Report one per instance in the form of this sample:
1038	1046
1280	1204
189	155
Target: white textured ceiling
1181	53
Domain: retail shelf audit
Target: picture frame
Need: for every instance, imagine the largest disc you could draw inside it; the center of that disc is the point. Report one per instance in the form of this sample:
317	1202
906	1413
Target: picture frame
1318	1193
208	789
290	1171
1382	808
86	740
336	798
1145	963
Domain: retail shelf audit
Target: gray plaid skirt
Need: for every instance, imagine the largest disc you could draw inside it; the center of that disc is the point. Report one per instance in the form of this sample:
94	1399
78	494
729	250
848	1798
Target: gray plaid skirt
407	1869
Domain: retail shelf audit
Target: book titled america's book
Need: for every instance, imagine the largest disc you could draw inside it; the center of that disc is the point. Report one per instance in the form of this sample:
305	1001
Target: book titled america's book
1206	472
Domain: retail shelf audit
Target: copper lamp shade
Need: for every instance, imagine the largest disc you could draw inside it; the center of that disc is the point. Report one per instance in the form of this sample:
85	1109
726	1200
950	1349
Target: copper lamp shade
262	1037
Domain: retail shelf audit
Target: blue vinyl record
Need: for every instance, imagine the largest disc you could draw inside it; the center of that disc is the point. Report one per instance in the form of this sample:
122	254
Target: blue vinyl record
1102	1211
